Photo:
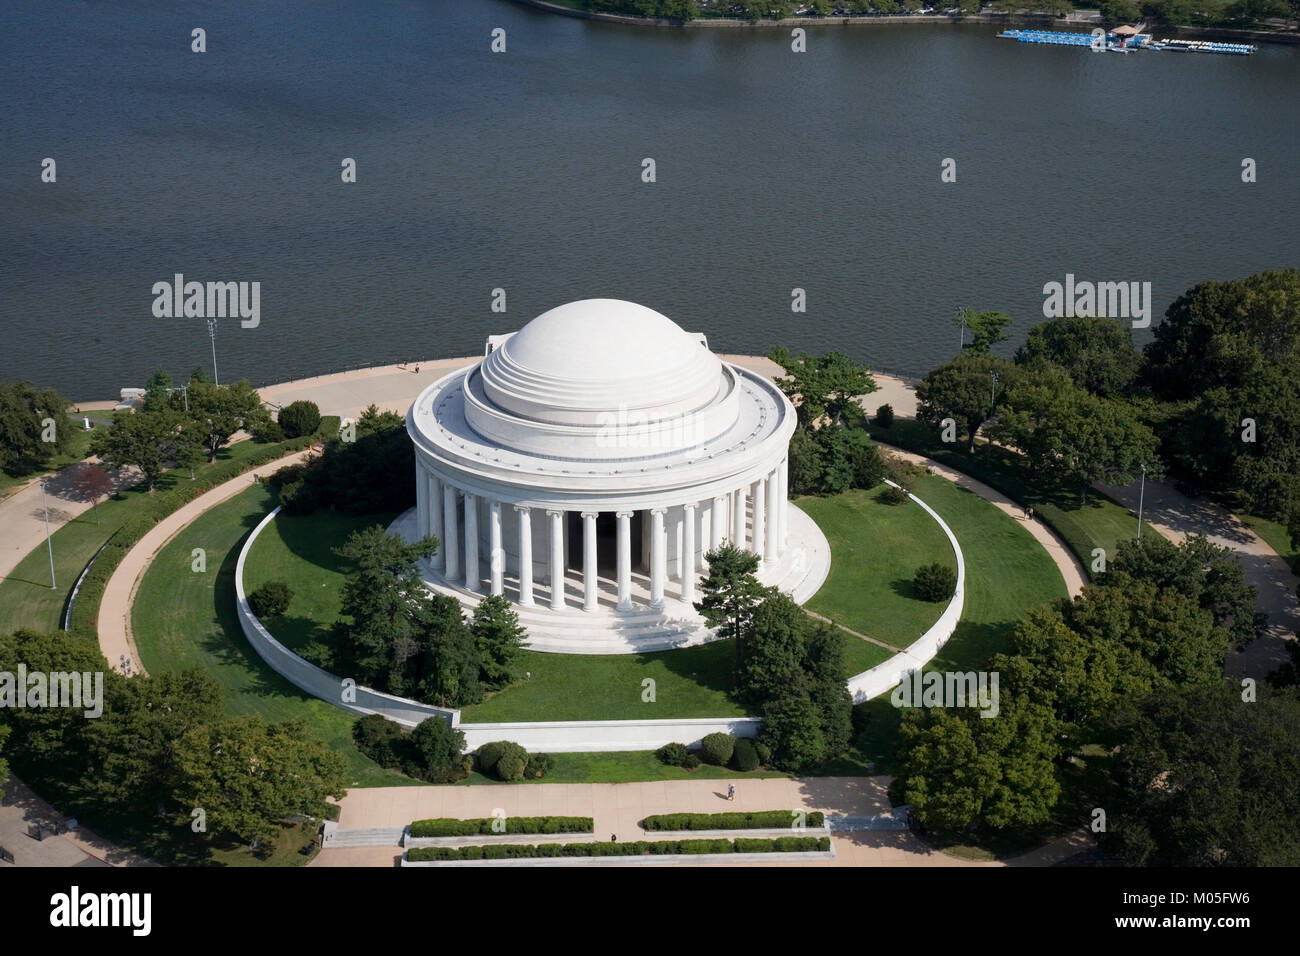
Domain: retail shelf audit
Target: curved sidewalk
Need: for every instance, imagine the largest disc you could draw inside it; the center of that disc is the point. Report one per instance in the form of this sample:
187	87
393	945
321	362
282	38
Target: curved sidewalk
114	624
1064	559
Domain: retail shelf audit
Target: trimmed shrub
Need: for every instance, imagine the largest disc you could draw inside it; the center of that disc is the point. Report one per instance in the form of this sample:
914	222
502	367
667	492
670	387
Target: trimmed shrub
510	767
717	749
299	418
538	765
885	416
489	754
504	759
745	757
764	753
375	736
759	820
934	582
271	599
515	851
691	762
267	431
449	826
673	754
893	496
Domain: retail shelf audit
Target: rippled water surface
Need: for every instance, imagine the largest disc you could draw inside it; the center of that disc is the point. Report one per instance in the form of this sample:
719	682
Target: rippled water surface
522	171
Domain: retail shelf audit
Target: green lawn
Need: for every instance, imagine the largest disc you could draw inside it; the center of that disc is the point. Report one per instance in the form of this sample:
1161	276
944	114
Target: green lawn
1007	572
1101	523
876	549
26	599
78	449
1275	536
185	619
629	766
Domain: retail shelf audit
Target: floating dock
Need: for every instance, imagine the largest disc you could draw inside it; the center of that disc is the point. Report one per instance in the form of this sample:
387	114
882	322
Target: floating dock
1124	43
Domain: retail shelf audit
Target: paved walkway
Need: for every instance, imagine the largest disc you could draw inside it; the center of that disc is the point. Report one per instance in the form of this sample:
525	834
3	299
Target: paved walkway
114	624
619	808
78	847
1175	516
1060	553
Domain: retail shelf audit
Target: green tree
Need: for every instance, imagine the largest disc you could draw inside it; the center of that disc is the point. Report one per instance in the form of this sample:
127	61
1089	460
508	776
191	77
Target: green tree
1204	779
500	640
149	441
1119	11
730	594
1097	353
986	329
158	391
34	427
792	730
451	661
821	386
385	602
772	663
299	418
1067	433
132	747
4	767
218	411
441	750
964	390
248	775
825	670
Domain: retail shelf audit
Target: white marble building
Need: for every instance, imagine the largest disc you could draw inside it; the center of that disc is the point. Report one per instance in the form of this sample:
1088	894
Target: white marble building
585	466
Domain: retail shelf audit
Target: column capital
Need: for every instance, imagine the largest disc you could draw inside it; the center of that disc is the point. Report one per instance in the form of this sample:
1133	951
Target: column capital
691	506
522	509
554	513
658	511
591	514
625	514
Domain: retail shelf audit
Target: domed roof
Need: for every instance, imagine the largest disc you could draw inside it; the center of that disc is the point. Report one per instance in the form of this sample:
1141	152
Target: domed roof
580	361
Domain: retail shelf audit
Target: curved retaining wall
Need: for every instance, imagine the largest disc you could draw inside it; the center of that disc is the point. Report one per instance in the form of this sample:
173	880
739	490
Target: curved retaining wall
573	736
889	674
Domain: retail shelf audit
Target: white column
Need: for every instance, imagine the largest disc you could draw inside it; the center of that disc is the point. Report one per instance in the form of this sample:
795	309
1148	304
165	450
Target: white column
435	518
688	553
421	502
557	559
625	560
589	560
471	541
450	547
785	503
738	519
773	545
718	522
760	525
497	557
525	556
658	557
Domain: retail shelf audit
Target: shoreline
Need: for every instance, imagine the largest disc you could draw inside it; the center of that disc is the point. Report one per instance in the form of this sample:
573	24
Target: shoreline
1191	32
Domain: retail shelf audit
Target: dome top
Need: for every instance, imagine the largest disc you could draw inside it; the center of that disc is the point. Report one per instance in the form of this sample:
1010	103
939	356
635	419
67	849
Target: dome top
578	362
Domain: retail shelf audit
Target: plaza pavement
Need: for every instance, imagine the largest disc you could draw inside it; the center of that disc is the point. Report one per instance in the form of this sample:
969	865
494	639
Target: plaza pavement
79	847
618	809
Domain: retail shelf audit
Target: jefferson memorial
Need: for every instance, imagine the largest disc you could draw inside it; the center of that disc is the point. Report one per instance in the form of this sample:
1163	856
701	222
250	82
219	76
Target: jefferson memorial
587	463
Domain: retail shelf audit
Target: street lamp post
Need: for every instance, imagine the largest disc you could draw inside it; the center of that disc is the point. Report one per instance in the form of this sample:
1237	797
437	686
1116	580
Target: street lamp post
212	334
1142	490
961	314
48	543
993	392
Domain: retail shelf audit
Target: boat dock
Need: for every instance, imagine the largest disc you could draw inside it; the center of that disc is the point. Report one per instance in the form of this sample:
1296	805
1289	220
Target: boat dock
1124	40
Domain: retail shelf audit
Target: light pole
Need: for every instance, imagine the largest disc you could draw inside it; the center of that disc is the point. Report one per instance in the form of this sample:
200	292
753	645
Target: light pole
961	314
1142	490
48	543
993	392
212	334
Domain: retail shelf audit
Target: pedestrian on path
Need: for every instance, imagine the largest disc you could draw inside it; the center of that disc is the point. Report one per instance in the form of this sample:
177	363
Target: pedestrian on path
731	791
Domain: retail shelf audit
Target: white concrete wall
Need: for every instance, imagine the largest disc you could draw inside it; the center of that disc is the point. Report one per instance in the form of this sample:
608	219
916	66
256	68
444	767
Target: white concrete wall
887	675
584	736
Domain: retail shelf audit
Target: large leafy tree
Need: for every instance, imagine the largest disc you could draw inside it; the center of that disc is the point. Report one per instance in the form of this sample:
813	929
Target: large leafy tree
24	411
964	390
218	411
1217	334
821	385
132	747
792	730
1203	778
773	658
825	670
1097	353
440	749
451	662
986	329
248	775
730	594
961	769
151	441
1070	434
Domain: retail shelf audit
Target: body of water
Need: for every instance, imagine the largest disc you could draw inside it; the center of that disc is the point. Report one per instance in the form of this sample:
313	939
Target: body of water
522	171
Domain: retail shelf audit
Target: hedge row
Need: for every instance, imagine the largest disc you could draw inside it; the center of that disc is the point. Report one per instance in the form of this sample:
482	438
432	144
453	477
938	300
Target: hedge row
151	510
447	826
762	820
516	851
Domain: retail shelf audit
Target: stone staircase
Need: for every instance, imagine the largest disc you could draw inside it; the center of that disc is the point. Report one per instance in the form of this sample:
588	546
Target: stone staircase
371	836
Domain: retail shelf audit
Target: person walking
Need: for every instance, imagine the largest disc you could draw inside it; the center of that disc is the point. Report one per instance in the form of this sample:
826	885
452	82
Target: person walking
731	791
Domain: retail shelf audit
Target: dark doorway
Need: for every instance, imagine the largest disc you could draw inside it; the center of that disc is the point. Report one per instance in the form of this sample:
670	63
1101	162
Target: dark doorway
606	542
